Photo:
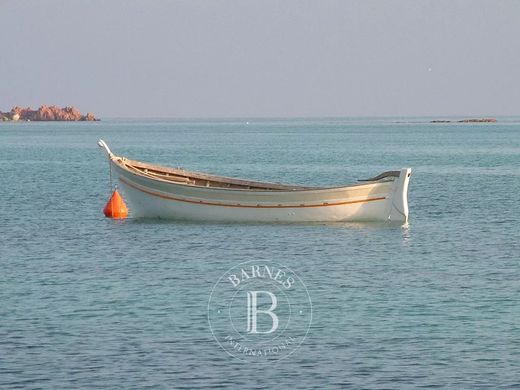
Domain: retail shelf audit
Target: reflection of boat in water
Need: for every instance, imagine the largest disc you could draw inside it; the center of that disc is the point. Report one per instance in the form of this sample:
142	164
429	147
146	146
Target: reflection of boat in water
161	192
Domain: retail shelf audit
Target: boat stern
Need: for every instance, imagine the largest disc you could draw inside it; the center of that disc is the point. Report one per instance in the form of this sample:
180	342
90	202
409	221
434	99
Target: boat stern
399	205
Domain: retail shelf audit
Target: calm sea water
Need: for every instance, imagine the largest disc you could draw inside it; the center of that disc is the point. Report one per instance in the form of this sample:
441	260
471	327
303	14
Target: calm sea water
89	302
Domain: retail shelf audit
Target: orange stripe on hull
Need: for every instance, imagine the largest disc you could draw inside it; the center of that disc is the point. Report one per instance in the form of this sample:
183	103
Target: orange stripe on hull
280	206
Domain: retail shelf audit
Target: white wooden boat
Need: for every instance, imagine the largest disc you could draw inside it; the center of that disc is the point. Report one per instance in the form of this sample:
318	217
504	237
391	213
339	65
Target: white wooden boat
160	192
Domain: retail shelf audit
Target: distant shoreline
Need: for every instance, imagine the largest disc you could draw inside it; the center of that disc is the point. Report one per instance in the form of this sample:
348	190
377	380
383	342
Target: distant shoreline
471	120
46	114
410	119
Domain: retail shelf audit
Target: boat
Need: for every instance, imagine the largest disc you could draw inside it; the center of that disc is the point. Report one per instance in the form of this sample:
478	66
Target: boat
154	191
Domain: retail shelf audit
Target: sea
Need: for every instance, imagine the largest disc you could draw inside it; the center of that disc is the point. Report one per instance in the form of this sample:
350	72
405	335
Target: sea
88	302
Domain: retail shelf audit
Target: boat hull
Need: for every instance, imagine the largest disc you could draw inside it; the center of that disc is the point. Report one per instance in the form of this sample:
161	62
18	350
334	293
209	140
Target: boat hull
153	191
149	198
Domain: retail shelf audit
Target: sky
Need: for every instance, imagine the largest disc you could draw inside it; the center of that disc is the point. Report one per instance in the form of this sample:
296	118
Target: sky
264	58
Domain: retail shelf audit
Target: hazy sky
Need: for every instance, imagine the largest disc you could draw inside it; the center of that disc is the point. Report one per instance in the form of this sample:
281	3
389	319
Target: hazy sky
262	58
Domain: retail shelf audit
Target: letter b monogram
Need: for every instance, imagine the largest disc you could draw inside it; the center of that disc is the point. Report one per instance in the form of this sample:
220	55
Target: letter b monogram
253	311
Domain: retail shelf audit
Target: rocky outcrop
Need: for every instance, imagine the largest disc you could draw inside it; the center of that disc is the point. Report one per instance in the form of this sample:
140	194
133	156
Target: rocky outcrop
478	120
89	117
472	120
46	113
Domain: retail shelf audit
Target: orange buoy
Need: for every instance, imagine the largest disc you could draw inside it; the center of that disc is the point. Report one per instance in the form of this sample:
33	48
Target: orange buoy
116	207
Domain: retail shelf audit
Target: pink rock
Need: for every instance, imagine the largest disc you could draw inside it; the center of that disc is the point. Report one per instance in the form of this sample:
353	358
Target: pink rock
48	113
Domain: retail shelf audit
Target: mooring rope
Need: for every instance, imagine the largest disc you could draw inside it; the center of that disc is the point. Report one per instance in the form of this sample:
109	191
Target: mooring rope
110	172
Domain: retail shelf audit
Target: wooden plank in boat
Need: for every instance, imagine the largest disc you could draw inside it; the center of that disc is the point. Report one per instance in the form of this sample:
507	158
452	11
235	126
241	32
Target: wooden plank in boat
212	178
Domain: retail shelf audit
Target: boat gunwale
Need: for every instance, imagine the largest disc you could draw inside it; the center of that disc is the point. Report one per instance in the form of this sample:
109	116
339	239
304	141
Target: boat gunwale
120	162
